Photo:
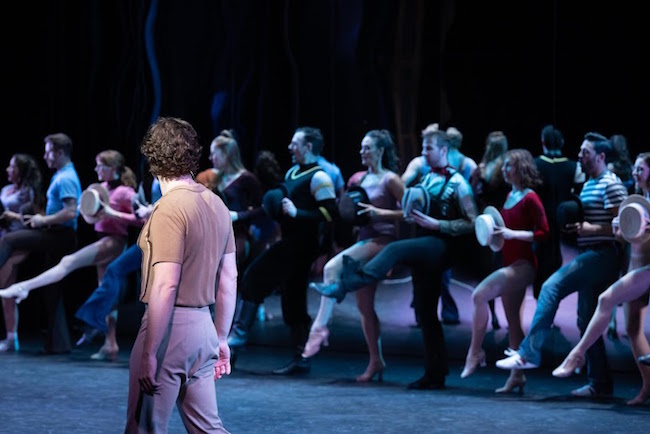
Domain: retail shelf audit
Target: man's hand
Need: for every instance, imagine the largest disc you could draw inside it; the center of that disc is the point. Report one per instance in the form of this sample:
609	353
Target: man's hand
289	208
425	221
582	229
147	379
34	221
222	366
143	212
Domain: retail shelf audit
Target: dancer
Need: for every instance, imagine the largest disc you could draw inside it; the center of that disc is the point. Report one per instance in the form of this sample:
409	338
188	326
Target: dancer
307	201
110	223
189	263
385	189
53	233
525	222
239	188
22	195
99	312
561	177
632	289
596	266
442	238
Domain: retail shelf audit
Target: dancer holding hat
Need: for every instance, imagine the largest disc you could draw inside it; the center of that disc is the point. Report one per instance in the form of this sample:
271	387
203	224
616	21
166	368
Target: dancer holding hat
106	205
632	289
596	266
524	221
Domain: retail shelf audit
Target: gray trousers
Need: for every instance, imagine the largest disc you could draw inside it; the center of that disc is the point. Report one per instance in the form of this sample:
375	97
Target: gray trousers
186	361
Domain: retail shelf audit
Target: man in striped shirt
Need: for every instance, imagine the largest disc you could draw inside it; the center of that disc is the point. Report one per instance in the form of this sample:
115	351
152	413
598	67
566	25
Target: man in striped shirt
596	266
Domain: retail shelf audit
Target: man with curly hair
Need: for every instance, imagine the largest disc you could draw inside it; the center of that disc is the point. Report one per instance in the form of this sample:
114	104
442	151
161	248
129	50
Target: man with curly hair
188	264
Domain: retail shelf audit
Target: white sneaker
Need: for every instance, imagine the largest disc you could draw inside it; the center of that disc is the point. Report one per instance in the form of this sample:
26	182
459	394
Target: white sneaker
515	362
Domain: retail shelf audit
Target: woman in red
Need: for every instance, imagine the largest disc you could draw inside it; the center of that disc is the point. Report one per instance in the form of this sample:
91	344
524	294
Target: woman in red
525	222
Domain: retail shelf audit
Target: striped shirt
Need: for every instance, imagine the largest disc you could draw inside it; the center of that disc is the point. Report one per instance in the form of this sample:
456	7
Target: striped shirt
599	197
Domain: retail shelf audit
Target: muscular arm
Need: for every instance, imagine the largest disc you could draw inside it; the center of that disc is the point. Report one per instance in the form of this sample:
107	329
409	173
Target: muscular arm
412	172
68	212
161	302
224	309
468	209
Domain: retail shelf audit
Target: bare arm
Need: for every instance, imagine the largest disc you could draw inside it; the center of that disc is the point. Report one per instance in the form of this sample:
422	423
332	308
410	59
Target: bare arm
69	212
224	309
396	188
412	171
161	302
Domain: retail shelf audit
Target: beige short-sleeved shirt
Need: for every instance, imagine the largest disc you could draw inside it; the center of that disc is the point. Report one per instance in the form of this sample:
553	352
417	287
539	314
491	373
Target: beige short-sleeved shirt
191	226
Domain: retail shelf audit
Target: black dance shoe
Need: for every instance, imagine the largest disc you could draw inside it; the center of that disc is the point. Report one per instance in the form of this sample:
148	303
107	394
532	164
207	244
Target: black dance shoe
299	365
331	290
426	383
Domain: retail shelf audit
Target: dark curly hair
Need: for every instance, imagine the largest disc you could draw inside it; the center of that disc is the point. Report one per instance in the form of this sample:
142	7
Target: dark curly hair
171	145
523	162
268	170
384	140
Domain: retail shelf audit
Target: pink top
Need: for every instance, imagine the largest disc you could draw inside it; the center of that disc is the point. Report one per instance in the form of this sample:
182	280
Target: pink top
527	215
379	196
120	200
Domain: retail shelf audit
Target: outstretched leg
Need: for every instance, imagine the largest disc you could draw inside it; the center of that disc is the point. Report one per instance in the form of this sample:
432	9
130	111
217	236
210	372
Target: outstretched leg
99	252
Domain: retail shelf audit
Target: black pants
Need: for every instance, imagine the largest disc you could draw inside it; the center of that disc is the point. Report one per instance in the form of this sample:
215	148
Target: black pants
55	243
285	265
428	256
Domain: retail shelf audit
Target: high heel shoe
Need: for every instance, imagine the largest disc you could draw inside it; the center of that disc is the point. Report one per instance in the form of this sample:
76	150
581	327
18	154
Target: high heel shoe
373	369
318	337
513	382
106	353
570	366
472	363
15	291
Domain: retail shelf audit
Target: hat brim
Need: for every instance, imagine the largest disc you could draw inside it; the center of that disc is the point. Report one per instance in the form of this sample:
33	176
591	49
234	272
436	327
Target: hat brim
497	240
484	229
92	199
636	233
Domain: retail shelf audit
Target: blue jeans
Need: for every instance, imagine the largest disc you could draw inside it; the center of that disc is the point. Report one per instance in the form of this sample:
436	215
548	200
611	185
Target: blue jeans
107	295
590	273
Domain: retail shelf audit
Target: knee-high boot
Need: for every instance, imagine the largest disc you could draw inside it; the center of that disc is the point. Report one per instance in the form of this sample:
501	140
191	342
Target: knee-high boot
352	275
246	312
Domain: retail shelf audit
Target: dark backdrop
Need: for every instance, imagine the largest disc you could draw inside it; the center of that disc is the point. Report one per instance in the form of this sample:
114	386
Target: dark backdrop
102	70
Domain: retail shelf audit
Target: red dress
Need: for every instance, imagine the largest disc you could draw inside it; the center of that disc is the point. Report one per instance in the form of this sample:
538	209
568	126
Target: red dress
527	215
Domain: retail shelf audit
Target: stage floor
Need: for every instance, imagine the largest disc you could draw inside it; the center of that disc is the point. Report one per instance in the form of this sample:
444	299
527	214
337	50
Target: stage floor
72	394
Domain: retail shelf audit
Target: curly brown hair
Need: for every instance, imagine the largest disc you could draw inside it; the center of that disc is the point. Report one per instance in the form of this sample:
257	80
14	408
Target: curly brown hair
172	147
523	162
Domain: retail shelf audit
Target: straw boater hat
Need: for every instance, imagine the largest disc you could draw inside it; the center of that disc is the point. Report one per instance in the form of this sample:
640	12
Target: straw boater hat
416	198
92	199
484	227
634	218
